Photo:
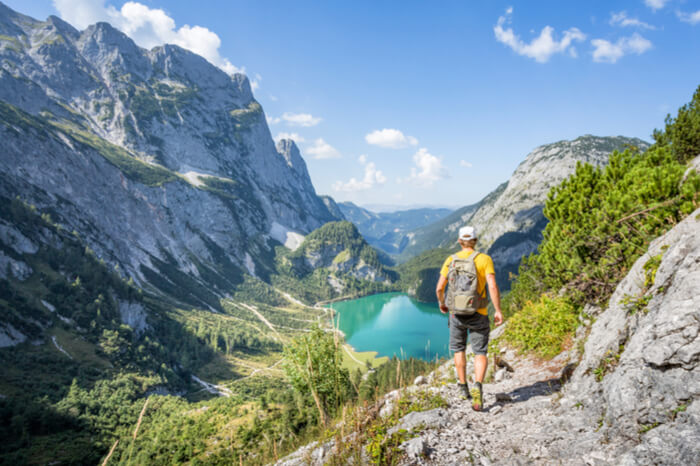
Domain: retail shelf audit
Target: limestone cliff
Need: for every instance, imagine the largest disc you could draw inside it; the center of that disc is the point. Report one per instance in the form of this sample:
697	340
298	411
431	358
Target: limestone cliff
162	162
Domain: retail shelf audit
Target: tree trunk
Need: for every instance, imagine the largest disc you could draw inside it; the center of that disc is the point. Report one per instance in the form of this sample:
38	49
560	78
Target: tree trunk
321	409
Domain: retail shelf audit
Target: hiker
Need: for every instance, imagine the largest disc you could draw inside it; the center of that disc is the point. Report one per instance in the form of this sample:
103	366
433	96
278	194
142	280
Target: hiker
468	272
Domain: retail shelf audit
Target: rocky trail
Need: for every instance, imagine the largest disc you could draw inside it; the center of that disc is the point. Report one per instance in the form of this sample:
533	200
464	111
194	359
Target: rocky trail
626	393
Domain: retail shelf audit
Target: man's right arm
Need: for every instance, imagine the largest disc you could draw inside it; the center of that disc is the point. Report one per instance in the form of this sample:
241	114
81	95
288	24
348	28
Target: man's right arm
440	293
495	298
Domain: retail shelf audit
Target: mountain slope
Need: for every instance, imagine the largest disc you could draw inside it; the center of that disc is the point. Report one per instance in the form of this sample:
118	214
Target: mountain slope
443	233
333	261
510	219
161	161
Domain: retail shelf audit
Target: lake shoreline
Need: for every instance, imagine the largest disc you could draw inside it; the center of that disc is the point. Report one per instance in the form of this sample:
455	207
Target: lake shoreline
391	324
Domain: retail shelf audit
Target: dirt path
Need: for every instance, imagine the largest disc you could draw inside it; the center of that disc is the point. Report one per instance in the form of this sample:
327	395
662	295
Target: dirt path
292	299
269	368
345	347
212	388
261	317
59	347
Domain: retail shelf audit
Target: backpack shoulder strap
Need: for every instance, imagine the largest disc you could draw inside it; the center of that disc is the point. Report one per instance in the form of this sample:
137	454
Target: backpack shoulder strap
452	262
483	298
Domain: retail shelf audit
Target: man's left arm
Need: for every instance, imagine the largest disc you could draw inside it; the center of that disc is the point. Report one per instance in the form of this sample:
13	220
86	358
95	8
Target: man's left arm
495	298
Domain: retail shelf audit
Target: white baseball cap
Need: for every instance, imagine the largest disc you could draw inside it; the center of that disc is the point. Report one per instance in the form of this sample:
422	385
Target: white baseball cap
467	233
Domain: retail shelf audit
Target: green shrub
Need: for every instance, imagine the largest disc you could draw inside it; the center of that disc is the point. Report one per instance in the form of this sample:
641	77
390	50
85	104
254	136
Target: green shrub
543	327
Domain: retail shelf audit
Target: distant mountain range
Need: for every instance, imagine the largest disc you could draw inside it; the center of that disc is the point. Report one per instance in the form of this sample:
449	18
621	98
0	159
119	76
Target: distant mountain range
389	208
387	230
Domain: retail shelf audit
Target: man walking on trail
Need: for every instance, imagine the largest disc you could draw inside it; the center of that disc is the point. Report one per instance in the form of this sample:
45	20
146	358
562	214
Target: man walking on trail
468	273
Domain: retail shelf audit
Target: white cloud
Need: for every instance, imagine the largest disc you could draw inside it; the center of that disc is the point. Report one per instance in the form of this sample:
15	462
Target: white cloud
656	4
428	169
390	138
148	27
362	159
320	149
293	136
690	18
372	178
273	120
273	98
542	47
607	52
301	119
464	163
255	82
621	19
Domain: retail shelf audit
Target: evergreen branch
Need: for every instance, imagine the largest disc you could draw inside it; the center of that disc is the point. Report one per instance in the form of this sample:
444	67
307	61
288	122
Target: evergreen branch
642	212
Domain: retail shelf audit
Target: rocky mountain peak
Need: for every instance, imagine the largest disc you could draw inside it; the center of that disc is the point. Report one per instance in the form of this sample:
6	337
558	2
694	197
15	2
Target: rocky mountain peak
161	159
288	149
194	70
8	18
113	52
62	27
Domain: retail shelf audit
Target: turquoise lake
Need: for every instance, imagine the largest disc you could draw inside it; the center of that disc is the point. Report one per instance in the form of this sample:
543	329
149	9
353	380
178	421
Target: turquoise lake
393	324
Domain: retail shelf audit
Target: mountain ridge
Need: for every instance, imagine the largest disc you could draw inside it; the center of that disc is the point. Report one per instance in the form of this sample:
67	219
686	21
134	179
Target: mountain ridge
176	132
510	219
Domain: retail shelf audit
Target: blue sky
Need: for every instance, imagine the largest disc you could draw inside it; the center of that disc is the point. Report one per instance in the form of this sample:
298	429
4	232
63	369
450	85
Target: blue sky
430	103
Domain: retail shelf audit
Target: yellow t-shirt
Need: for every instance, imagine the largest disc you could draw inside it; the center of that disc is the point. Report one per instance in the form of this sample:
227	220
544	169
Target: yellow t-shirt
484	266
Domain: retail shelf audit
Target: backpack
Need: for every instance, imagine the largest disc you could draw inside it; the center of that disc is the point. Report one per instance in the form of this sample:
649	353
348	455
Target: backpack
462	295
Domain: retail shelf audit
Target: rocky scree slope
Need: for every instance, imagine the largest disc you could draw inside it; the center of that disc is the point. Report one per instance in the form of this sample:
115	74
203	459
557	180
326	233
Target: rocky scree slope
631	398
510	219
160	161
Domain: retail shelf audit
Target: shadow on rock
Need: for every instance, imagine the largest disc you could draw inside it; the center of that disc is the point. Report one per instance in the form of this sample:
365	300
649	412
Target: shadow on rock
541	388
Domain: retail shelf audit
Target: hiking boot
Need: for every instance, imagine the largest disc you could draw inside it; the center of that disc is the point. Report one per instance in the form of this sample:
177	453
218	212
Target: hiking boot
464	391
477	402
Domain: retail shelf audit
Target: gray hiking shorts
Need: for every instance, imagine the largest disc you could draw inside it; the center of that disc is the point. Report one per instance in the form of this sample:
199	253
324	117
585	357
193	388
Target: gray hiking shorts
475	327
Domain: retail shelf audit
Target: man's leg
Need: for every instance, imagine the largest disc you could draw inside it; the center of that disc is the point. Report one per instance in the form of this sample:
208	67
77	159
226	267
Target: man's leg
461	365
458	344
479	337
480	364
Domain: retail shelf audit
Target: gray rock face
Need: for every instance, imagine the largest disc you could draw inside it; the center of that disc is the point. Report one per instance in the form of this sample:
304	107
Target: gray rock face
133	315
425	419
12	268
10	336
153	156
14	239
519	208
415	448
511	226
659	369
